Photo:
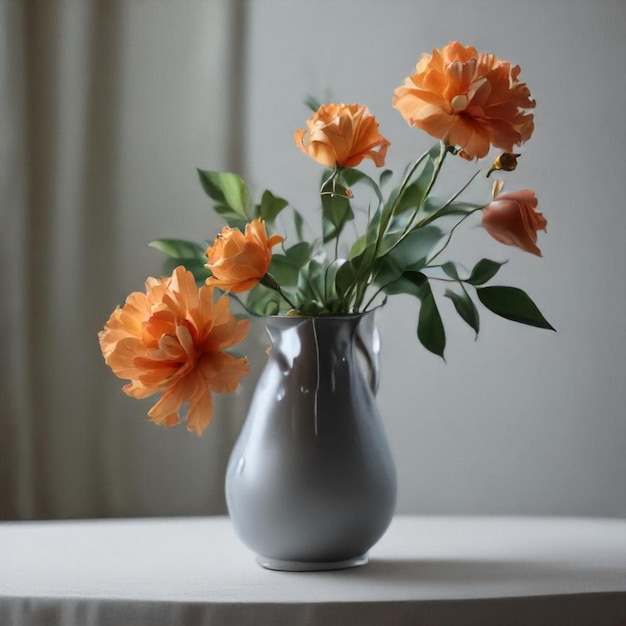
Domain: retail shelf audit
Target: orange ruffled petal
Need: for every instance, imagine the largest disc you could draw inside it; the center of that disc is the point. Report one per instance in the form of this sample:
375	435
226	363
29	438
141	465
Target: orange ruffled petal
468	99
342	135
171	340
238	261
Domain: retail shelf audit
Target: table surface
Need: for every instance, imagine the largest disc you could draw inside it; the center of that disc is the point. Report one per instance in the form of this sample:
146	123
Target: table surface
194	570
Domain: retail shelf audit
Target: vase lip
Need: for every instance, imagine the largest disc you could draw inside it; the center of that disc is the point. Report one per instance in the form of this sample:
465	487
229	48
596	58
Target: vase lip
333	316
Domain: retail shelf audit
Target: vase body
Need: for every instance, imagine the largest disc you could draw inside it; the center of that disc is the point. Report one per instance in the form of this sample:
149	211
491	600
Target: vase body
311	482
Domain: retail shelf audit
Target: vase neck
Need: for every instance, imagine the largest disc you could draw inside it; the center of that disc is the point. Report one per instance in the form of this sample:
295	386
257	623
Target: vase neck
326	344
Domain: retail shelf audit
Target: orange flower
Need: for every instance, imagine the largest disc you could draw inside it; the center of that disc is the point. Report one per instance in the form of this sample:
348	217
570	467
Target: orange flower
342	135
512	219
171	340
467	99
239	261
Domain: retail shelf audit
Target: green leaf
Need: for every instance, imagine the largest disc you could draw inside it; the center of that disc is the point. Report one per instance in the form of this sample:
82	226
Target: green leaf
336	212
430	329
385	176
465	308
357	247
450	270
195	266
414	193
434	205
311	288
286	267
345	277
350	177
229	191
270	206
395	229
414	248
513	304
298	222
409	282
363	250
189	254
299	254
412	196
262	301
312	103
179	248
283	270
410	254
484	271
332	296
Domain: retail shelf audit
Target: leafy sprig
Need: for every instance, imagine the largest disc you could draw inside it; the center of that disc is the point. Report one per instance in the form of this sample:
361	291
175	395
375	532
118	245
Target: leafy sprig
396	253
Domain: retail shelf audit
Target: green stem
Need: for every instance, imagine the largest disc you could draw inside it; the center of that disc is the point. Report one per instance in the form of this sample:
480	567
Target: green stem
396	202
384	224
373	297
445	245
431	184
437	213
445	280
332	177
237	299
269	281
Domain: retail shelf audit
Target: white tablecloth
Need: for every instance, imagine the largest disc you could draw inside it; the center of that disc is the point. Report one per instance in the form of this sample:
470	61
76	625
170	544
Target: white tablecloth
426	570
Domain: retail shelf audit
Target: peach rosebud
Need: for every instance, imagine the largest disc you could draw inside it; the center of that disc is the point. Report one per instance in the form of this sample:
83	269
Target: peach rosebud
512	219
342	135
467	99
238	261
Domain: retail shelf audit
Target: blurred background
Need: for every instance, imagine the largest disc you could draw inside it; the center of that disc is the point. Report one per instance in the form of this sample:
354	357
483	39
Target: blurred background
107	108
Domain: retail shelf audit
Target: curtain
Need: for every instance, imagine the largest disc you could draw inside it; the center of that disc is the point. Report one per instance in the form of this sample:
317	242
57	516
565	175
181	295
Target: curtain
107	107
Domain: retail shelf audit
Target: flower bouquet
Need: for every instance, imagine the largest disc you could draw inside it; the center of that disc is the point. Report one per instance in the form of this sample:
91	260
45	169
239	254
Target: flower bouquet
378	236
311	482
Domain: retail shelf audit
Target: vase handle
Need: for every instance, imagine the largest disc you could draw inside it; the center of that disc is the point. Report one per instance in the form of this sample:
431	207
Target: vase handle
367	345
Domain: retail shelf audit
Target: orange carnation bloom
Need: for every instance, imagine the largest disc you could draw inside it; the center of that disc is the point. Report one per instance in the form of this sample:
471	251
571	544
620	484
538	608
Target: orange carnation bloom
171	340
512	219
342	135
467	99
238	261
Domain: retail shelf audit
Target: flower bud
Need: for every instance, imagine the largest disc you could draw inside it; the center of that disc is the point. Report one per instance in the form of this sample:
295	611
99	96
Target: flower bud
239	261
506	161
512	219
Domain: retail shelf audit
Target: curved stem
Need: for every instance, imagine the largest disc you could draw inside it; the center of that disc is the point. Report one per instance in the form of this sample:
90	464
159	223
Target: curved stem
431	184
403	186
437	213
384	224
332	176
373	297
269	281
445	280
363	281
283	295
239	301
445	245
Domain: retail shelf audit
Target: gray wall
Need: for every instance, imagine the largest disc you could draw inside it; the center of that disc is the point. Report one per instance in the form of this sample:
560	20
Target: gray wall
521	421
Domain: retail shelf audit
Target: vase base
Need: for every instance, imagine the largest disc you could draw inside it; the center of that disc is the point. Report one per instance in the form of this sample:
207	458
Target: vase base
310	566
